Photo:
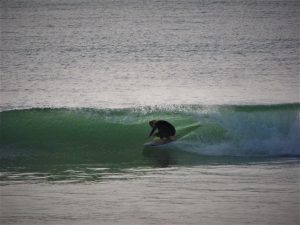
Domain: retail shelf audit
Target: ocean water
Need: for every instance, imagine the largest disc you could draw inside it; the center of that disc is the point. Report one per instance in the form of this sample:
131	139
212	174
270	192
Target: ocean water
81	79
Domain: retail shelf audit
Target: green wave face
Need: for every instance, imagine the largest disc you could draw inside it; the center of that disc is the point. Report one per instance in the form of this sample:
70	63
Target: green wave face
116	136
70	136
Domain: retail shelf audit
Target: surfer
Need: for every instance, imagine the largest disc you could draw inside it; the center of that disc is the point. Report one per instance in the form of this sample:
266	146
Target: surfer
166	131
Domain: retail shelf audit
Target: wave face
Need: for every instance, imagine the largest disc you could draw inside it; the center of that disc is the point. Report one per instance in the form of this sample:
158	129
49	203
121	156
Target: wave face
63	135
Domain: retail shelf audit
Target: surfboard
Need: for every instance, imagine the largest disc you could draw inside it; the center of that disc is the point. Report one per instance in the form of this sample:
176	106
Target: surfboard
158	143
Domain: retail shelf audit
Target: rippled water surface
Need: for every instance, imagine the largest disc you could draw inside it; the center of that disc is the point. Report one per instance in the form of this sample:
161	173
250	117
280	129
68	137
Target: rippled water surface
81	79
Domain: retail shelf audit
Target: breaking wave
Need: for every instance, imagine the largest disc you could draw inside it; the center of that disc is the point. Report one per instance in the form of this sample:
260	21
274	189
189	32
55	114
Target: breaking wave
71	135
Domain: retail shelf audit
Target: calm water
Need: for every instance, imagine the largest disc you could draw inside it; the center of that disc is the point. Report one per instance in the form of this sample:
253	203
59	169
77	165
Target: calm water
81	79
208	194
128	53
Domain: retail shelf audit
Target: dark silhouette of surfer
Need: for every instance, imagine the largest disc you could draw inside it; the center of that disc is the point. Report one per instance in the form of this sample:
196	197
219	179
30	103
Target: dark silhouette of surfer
166	131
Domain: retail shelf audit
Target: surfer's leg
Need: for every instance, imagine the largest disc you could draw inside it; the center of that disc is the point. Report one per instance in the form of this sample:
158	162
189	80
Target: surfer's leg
167	135
172	138
157	135
161	138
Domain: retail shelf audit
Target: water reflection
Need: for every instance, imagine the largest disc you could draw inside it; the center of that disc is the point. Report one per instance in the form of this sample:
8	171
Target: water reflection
151	159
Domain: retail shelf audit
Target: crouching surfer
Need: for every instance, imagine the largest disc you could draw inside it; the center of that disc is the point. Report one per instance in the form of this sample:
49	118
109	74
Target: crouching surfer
166	131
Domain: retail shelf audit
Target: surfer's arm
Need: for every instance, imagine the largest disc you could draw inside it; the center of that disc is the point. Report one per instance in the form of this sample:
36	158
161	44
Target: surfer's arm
152	131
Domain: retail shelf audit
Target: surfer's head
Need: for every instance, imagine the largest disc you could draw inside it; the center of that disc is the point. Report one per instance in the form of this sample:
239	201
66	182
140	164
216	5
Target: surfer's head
152	123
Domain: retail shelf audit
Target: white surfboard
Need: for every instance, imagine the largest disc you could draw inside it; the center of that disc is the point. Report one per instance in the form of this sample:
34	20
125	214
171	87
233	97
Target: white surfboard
158	143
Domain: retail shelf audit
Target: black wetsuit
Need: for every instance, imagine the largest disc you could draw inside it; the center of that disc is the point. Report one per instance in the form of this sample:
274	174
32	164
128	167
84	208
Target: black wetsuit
165	129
